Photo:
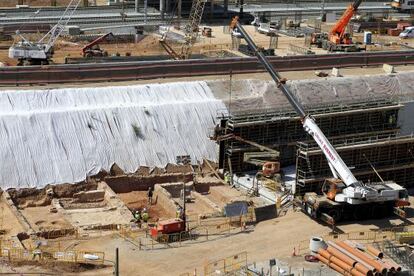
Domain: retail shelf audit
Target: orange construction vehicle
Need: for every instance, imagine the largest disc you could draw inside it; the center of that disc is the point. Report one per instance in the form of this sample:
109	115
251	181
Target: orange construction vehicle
337	39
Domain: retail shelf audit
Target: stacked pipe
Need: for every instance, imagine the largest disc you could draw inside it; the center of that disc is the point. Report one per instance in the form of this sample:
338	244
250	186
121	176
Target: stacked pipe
352	259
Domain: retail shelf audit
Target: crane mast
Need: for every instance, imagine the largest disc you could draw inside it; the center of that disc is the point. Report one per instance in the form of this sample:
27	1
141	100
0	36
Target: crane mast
190	32
57	30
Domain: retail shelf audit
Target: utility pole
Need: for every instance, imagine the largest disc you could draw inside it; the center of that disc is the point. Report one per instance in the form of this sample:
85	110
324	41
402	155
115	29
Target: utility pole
145	11
117	262
183	215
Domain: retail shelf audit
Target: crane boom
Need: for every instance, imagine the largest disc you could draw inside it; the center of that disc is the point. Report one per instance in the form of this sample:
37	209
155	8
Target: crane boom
337	33
37	53
190	32
55	32
337	165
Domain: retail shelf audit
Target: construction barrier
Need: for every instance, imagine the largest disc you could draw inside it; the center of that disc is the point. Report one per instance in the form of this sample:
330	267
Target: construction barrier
227	265
73	256
361	236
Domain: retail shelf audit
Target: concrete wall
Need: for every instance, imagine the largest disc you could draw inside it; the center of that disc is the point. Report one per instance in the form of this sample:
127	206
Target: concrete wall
175	189
126	184
164	198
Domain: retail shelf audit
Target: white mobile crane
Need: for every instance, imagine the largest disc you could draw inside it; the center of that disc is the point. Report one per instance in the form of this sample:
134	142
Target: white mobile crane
344	196
40	53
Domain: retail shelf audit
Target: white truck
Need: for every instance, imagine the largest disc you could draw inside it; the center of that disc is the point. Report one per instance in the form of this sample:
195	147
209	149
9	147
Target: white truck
267	29
407	33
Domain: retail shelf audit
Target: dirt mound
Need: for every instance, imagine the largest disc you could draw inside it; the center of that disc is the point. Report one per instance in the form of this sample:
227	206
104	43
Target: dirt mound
68	203
68	190
60	266
32	197
13	3
29	197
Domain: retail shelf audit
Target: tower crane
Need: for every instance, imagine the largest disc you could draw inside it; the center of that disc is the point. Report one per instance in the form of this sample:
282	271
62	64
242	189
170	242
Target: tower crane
190	32
344	196
40	52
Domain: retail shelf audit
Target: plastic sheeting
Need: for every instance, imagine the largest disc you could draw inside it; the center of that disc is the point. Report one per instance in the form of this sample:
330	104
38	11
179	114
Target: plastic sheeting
253	95
64	135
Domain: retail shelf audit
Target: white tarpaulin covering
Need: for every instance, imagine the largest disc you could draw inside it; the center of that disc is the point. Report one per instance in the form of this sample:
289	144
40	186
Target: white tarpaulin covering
64	135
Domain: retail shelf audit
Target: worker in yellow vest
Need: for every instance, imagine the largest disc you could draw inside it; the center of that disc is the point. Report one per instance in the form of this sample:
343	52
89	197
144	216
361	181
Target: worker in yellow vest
145	215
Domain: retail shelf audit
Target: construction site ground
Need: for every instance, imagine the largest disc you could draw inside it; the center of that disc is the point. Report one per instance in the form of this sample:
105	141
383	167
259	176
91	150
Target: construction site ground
213	46
8	221
138	200
274	238
40	218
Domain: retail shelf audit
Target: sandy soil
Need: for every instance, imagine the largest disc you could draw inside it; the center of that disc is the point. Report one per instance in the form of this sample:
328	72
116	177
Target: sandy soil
8	221
221	195
273	238
41	219
138	200
197	207
13	3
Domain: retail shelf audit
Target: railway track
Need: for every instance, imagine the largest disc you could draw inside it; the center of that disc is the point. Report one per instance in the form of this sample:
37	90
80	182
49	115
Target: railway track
74	73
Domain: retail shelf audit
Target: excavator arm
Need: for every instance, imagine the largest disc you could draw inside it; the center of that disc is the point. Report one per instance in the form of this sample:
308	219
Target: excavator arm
337	33
96	41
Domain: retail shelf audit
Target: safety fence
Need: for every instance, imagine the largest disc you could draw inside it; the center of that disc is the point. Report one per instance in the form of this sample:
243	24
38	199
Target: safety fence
228	265
12	253
361	236
206	230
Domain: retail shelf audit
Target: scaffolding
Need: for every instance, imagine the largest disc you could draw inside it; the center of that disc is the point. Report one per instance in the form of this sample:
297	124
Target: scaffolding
391	156
280	130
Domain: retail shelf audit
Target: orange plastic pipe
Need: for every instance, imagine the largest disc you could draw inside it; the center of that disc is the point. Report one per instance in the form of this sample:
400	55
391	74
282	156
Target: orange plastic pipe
354	263
392	265
375	251
332	265
363	269
349	254
380	268
341	256
331	258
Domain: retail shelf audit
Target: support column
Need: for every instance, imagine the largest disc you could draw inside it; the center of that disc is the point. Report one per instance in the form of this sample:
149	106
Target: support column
179	7
226	7
136	6
241	9
162	9
211	10
145	11
167	6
